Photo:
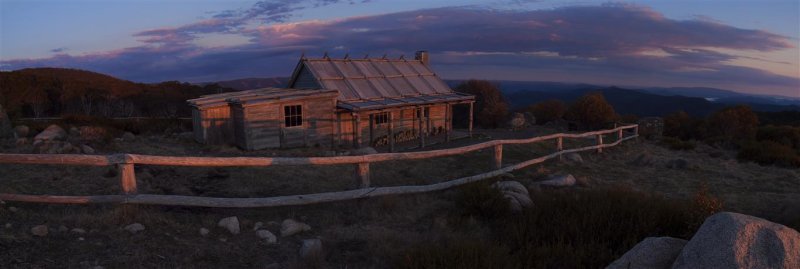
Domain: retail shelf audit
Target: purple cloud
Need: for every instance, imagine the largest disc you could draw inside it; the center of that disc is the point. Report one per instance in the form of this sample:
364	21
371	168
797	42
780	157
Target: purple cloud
625	43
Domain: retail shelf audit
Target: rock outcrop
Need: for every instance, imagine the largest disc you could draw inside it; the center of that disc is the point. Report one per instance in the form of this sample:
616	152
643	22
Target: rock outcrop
516	194
732	240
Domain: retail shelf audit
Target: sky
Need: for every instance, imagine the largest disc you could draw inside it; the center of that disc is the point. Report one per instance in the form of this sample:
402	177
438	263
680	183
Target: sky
747	46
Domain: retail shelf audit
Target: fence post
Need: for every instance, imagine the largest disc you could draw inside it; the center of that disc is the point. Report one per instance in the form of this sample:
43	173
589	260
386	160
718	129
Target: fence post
362	174
560	147
498	156
600	143
127	176
619	135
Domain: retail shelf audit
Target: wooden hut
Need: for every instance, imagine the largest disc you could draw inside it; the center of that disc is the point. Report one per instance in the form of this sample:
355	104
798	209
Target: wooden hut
265	118
339	102
384	101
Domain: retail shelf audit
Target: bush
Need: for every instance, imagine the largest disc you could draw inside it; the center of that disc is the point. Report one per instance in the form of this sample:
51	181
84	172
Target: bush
733	124
785	135
589	229
481	200
677	144
681	125
569	229
491	108
768	153
547	111
592	111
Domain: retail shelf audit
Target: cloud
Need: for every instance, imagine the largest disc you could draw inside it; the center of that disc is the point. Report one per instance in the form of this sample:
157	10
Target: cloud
59	50
619	43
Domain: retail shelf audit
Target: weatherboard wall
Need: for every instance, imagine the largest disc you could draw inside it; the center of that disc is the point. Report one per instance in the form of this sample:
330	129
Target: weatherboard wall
262	126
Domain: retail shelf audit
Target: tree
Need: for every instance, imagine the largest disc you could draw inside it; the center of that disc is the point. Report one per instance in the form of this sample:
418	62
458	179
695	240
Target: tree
548	111
681	125
592	111
733	124
491	109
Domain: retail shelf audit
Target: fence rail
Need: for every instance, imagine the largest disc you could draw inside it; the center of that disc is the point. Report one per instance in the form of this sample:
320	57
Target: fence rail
125	164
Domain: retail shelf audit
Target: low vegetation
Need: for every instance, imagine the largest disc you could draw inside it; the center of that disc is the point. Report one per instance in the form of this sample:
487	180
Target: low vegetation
566	229
737	127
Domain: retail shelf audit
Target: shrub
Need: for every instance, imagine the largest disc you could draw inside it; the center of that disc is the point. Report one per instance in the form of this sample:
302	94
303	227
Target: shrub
733	124
548	111
569	229
680	125
769	152
592	111
481	200
785	135
491	109
677	144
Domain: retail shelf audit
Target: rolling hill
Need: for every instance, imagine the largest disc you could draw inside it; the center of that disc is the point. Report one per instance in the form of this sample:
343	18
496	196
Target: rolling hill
47	92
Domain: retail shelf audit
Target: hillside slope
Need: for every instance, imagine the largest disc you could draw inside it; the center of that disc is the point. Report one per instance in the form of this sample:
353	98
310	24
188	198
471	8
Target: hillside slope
39	92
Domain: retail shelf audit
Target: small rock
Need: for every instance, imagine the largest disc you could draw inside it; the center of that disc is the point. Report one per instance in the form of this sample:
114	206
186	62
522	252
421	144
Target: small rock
573	157
257	226
134	228
87	149
62	229
517	121
13	209
558	181
311	247
510	186
22	131
267	235
291	227
81	239
223	239
230	223
652	252
39	230
273	265
8	225
74	131
92	133
128	136
52	132
204	231
78	231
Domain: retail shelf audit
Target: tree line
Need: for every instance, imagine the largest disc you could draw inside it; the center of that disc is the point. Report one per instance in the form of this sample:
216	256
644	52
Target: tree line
58	92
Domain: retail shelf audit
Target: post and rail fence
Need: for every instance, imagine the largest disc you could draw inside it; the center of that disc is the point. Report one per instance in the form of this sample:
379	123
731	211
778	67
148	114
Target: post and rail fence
127	177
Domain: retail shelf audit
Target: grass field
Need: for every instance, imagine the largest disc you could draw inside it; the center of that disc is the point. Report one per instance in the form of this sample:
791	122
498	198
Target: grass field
566	229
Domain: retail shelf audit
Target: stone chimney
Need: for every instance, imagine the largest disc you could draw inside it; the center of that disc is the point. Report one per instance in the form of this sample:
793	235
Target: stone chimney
422	55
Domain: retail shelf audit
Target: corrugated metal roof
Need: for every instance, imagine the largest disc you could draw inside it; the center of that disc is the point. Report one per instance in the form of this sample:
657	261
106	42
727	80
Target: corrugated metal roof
359	80
403	101
256	96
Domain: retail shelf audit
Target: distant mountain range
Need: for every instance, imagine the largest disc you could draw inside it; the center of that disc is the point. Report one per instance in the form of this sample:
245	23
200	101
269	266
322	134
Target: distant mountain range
653	101
58	91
